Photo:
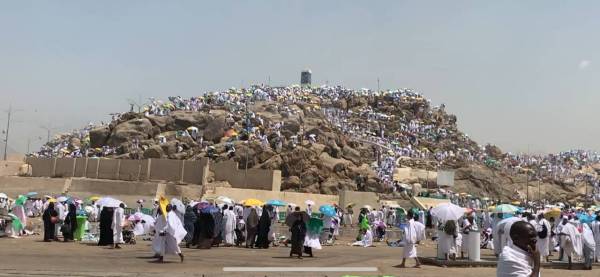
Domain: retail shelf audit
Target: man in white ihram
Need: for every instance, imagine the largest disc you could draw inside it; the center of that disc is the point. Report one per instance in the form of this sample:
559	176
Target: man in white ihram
169	233
117	226
414	232
520	257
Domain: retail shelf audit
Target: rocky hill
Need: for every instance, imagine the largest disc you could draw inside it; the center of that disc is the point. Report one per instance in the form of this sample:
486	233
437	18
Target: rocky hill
322	139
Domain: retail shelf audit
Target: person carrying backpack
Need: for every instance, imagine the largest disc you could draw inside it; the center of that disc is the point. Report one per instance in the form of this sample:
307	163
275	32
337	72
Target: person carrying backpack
543	242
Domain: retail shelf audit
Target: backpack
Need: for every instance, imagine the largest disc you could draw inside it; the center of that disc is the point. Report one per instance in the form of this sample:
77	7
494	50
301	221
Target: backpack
544	233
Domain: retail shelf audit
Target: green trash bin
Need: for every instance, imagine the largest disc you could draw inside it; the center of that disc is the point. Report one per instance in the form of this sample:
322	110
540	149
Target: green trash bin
80	227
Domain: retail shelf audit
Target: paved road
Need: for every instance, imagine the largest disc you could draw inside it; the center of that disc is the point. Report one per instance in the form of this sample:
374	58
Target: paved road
31	257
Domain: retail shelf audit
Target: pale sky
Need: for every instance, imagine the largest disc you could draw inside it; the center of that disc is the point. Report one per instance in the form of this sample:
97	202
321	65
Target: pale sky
519	74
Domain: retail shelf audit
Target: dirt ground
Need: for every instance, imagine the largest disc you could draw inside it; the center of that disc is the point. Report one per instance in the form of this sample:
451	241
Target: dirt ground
29	256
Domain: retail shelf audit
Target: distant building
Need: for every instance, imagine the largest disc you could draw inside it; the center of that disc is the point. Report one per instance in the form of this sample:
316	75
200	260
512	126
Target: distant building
305	78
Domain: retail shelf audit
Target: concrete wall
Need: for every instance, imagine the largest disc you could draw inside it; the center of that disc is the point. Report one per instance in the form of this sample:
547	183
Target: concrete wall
410	175
92	168
250	179
126	191
41	167
80	167
179	191
129	170
64	167
14	185
192	172
164	169
359	198
108	169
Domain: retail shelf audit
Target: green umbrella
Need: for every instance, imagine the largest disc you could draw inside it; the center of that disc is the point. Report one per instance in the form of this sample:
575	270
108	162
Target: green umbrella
506	209
21	200
16	222
314	225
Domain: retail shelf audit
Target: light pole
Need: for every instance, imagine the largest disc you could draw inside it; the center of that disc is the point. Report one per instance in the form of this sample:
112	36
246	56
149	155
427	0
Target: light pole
6	132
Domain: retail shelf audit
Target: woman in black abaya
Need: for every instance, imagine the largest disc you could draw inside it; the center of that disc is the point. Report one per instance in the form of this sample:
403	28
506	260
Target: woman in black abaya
264	224
204	231
297	223
189	221
49	226
70	223
106	232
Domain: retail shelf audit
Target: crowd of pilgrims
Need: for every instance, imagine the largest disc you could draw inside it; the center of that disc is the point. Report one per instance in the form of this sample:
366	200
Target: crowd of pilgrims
570	233
199	225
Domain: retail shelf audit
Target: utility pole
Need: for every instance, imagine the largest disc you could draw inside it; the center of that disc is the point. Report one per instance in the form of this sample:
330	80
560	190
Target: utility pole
7	130
527	185
247	144
9	112
378	89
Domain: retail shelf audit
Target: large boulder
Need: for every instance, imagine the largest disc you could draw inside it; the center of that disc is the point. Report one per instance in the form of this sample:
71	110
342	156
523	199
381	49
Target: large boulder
292	126
99	136
153	152
351	154
214	130
161	122
128	130
291	183
333	149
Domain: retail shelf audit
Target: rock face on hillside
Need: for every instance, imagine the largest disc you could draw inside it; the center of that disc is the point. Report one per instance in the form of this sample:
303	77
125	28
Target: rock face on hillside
322	140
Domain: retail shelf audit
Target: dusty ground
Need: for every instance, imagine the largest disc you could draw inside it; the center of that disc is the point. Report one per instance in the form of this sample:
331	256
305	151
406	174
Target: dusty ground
31	257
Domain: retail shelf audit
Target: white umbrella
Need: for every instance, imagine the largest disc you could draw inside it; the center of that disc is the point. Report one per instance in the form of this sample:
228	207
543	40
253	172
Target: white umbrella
108	202
368	207
447	211
309	202
224	200
61	199
178	204
3	195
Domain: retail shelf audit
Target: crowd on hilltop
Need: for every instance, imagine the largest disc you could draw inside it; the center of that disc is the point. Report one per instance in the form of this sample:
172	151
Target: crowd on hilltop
401	122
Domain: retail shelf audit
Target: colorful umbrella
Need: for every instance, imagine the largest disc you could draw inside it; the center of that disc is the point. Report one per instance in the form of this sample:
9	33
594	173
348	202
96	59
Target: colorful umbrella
31	194
276	203
554	212
21	200
162	203
94	198
314	225
252	202
327	210
16	222
506	209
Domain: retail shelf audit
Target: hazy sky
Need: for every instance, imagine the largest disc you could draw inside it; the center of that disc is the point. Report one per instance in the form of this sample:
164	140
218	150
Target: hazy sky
516	73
